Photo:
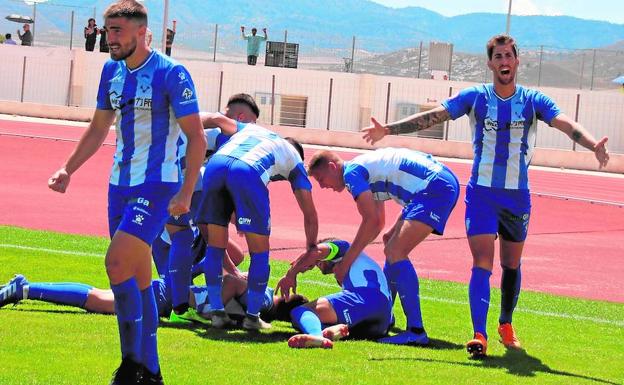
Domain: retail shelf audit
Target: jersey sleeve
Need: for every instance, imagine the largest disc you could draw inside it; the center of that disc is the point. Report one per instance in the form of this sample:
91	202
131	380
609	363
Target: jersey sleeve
545	108
298	178
460	104
356	179
181	90
103	99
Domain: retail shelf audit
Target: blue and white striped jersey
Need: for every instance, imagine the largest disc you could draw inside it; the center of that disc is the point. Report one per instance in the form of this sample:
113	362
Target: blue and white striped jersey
364	272
269	154
503	132
390	173
147	101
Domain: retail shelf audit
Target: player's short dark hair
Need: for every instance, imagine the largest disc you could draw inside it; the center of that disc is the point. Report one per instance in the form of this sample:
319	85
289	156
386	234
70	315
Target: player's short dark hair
281	308
321	159
7	36
129	9
501	40
296	145
247	100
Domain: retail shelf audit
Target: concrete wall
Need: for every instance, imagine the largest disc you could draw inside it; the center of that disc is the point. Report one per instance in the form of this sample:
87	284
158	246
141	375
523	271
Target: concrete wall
354	99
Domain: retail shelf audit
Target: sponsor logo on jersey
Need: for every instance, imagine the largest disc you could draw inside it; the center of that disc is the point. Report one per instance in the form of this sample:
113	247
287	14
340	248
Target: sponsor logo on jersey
244	221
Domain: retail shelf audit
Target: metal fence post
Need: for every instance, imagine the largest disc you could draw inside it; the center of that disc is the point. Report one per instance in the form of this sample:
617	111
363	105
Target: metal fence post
387	103
71	32
220	91
284	53
576	115
591	87
34	24
539	69
352	53
272	98
214	51
582	69
69	87
419	59
23	80
331	87
450	63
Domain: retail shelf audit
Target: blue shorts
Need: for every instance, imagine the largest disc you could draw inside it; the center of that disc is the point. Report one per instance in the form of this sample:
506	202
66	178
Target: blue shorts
492	210
185	220
163	298
367	311
231	185
140	210
433	205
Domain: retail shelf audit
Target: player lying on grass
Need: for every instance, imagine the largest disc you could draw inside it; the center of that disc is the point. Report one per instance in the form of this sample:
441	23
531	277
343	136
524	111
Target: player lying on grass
363	309
102	301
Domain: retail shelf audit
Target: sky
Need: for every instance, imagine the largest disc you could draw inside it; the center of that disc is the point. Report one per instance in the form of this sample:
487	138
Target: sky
606	10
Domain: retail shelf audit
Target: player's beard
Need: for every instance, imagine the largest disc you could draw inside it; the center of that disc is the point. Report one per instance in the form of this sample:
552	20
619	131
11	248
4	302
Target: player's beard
122	53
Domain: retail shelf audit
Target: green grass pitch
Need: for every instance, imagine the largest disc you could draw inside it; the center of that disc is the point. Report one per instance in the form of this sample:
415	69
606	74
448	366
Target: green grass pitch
568	341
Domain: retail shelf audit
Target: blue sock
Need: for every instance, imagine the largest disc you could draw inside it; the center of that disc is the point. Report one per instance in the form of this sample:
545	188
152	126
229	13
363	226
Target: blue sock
180	262
150	326
479	298
129	309
510	290
391	284
404	274
257	281
160	254
306	321
213	271
66	293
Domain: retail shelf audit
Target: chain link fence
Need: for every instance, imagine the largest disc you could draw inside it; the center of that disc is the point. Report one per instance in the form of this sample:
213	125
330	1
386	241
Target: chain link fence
62	24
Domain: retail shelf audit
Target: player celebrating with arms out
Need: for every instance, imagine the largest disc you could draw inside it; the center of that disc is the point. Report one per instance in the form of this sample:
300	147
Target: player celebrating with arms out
504	119
151	97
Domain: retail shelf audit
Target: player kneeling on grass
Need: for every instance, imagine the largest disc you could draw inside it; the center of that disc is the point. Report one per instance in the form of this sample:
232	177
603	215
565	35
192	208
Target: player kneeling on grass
103	301
363	309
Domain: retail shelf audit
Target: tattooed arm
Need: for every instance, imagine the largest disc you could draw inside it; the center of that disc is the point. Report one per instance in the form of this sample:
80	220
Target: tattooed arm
580	135
412	123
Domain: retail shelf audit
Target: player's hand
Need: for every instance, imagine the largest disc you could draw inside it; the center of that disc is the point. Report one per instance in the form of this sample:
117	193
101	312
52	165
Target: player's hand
601	152
179	204
285	285
59	181
264	30
340	270
374	133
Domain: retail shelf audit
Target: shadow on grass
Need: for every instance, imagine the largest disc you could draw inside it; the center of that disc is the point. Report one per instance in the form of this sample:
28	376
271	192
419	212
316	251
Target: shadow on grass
240	335
516	362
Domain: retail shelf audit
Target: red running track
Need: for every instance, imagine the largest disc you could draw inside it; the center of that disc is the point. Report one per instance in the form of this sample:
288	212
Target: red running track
574	247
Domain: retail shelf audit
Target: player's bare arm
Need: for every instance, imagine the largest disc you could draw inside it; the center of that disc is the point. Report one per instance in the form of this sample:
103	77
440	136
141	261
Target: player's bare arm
373	220
412	123
580	135
195	151
214	119
89	143
305	262
310	217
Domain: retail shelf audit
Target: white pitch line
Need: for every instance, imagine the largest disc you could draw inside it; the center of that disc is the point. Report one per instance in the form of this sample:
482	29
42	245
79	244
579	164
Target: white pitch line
530	311
55	251
325	284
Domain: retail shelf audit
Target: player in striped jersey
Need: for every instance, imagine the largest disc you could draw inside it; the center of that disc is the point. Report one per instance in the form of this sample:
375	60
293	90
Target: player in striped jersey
363	309
503	116
180	228
236	180
151	98
425	188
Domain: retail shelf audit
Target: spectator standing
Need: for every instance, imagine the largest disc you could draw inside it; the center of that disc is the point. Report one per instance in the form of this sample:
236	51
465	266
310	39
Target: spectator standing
170	35
27	36
253	44
90	34
103	41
